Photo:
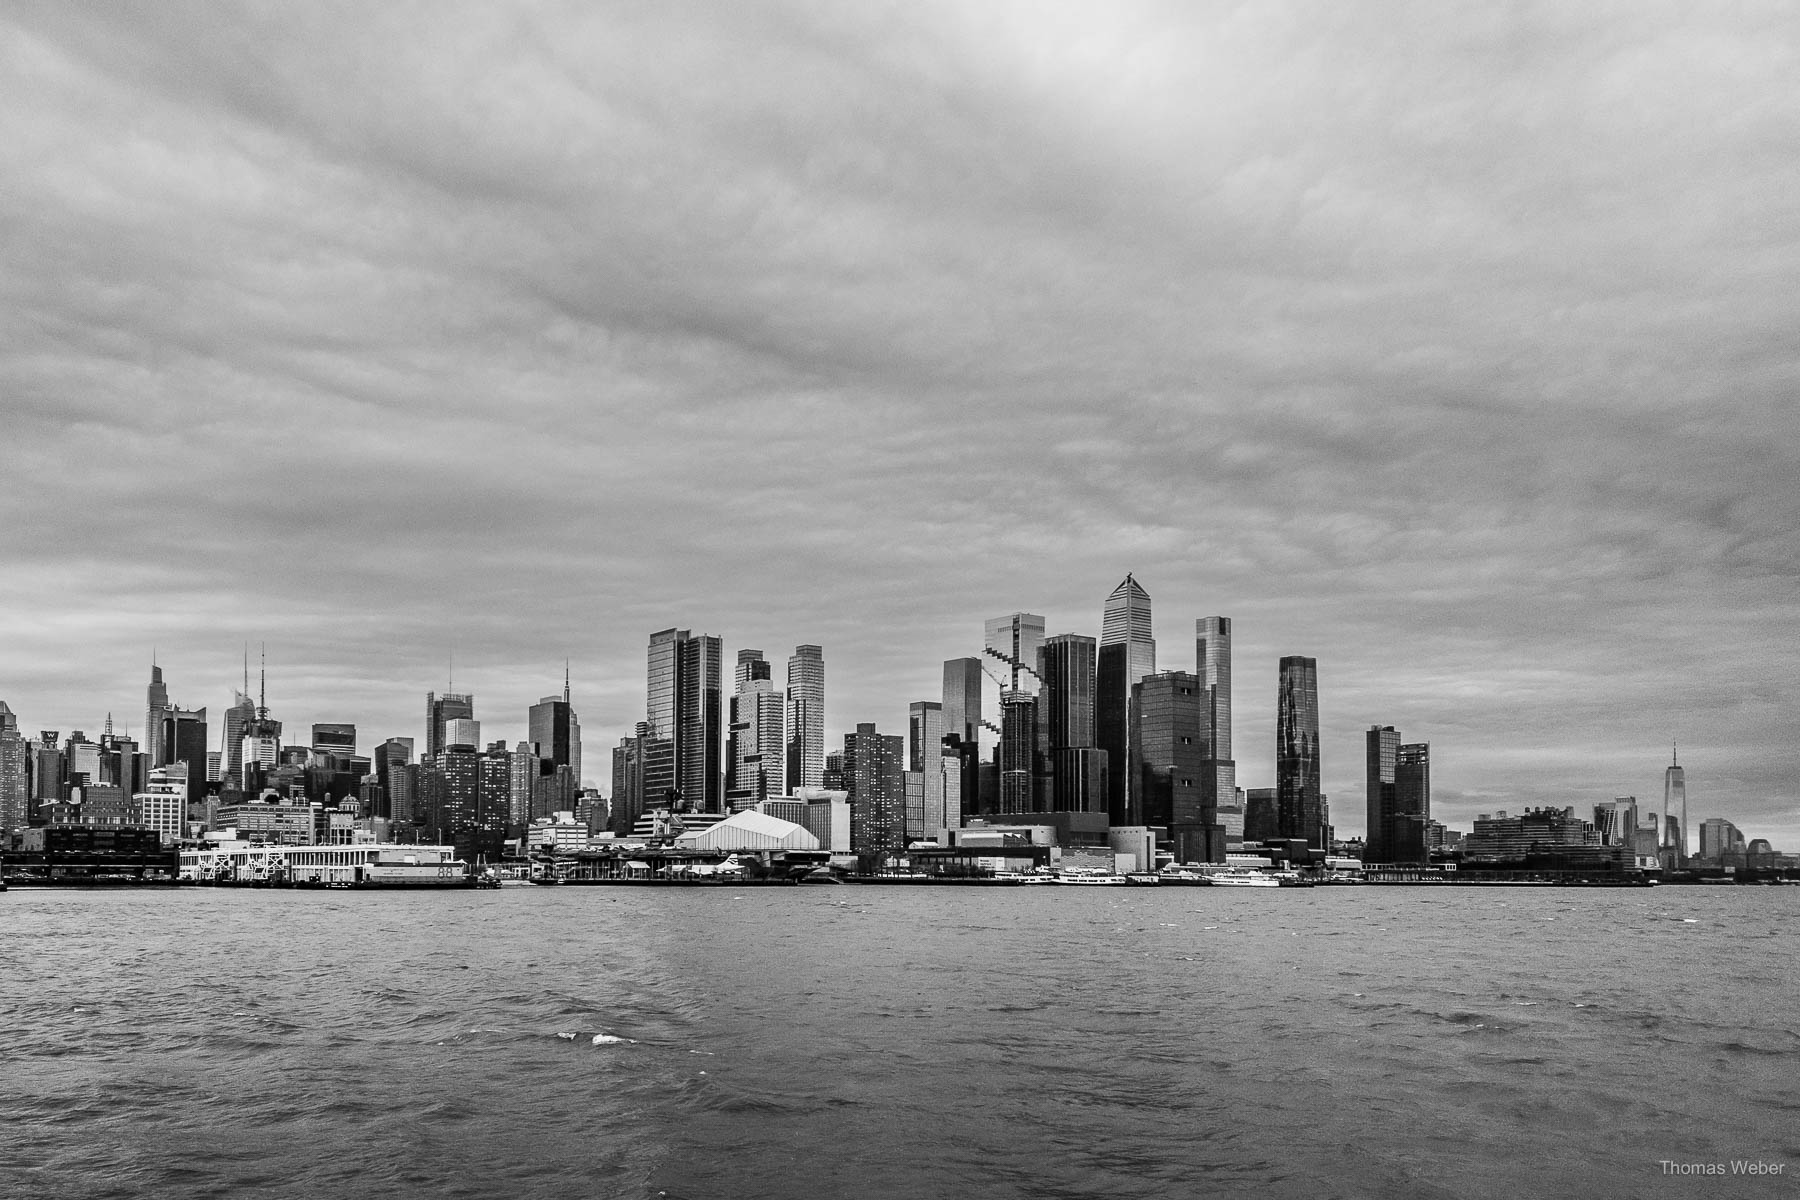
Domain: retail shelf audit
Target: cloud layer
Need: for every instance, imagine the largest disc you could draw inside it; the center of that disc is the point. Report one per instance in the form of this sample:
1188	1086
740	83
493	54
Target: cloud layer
1455	349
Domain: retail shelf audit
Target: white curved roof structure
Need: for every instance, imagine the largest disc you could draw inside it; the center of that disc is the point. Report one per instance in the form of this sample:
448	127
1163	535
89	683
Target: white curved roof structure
749	830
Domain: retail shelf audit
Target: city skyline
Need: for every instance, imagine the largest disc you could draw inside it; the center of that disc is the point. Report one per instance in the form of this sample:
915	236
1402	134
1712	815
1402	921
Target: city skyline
515	336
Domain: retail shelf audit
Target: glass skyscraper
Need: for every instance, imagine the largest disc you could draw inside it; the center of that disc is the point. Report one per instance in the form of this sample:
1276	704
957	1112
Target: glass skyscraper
1075	768
1212	663
1127	655
1299	807
805	717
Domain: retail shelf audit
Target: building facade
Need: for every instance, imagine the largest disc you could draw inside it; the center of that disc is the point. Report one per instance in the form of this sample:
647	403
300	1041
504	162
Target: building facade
1127	654
804	717
1299	804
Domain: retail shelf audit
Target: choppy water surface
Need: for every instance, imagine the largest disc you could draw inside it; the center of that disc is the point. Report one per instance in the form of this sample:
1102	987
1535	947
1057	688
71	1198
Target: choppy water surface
1380	1042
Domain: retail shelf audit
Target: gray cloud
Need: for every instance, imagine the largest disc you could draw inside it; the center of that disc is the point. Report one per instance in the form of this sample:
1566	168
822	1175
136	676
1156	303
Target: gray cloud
1453	348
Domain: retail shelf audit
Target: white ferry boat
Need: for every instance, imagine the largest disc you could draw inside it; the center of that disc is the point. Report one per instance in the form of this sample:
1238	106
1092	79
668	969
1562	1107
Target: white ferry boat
1243	877
1089	878
368	865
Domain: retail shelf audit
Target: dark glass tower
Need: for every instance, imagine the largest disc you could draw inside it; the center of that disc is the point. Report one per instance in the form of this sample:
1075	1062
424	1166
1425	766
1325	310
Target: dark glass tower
439	710
1167	758
1299	808
1383	754
962	726
1127	654
685	746
1412	803
1075	769
1212	663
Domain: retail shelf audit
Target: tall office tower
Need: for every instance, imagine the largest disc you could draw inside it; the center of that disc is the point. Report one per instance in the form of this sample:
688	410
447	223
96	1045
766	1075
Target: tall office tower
493	803
156	710
962	726
1212	663
1300	809
450	706
805	717
1383	755
683	767
1675	796
1018	752
336	738
1718	837
1166	756
1012	642
14	774
628	794
237	722
554	732
1127	655
1412	803
927	783
757	765
392	758
873	770
45	783
1074	769
184	741
1617	822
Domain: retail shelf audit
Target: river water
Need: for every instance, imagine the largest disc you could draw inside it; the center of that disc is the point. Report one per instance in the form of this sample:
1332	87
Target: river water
872	1042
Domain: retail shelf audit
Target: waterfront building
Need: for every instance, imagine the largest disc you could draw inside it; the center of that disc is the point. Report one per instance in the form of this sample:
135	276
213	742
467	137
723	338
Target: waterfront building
1547	838
1018	752
162	806
1412	803
1719	840
757	763
749	831
873	766
962	717
804	717
931	804
440	711
1168	757
683	764
628	795
1127	654
15	786
823	812
1675	801
1299	806
1073	768
1382	755
520	774
1212	663
1260	819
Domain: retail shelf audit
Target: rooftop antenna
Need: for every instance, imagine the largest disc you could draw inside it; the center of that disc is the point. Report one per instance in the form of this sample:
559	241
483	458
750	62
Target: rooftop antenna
1674	759
109	725
452	669
262	684
246	692
565	681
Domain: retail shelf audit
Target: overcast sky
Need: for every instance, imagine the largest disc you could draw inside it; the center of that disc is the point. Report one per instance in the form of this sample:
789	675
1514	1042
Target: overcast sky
1455	346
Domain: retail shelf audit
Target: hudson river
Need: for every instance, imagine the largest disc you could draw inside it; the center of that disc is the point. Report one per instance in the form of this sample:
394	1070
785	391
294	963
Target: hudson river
881	1041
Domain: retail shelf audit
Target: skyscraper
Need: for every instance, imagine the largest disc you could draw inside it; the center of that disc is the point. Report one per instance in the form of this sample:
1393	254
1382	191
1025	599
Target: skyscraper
928	807
1018	752
1012	642
1383	754
1167	757
156	708
14	774
756	767
184	741
440	709
237	722
1127	654
683	763
392	758
1675	797
962	726
1299	808
1412	803
873	771
805	717
337	739
555	734
1075	769
1212	663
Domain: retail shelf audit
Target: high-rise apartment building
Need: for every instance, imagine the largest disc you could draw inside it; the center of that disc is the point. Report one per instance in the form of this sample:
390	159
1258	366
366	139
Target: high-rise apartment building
1127	654
392	758
629	797
554	732
1719	841
805	717
1299	806
931	804
1411	822
873	768
440	710
1018	761
756	767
